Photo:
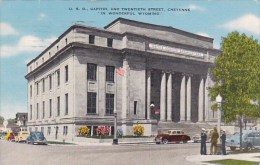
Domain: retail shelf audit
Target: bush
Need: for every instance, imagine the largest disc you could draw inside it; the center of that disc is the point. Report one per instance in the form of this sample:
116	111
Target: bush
138	130
84	130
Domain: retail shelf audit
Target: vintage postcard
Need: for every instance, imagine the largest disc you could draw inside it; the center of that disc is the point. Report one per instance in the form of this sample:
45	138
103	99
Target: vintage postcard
118	81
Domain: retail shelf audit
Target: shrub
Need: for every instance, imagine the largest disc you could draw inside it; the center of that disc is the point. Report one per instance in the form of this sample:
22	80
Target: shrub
84	130
138	130
103	130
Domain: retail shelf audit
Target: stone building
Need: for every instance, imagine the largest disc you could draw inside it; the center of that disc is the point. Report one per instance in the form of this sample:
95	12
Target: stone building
131	67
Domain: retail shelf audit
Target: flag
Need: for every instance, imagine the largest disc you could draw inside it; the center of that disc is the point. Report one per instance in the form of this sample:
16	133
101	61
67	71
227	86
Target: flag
120	71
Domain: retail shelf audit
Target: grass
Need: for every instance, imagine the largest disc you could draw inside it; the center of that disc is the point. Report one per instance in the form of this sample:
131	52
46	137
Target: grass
233	162
62	143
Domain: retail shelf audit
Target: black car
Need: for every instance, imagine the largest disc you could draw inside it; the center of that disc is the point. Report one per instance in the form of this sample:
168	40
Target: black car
36	137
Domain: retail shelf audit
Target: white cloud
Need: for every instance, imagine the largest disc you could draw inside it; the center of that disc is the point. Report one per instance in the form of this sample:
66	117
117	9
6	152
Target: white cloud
26	44
203	34
195	7
7	30
9	110
42	16
245	23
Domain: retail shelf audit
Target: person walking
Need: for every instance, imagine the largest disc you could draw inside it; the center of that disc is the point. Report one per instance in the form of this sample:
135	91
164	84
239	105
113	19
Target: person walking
203	148
223	144
214	141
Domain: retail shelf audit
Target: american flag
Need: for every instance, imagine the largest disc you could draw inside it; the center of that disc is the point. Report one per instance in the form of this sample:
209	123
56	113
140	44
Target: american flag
120	71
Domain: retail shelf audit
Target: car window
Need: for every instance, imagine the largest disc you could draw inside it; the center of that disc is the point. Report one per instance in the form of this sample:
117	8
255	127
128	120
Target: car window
251	135
178	132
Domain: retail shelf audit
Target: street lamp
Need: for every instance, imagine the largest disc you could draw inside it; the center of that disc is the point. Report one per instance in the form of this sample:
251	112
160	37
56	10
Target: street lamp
219	101
115	140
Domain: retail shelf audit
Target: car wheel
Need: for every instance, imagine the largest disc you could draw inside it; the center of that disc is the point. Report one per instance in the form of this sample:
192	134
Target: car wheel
233	148
249	147
164	141
158	143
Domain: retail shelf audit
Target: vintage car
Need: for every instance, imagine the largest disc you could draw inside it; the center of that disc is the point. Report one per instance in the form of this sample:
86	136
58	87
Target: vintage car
197	137
250	139
21	136
171	136
36	137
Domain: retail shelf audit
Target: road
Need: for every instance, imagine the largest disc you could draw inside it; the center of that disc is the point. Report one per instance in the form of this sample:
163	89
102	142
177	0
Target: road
141	154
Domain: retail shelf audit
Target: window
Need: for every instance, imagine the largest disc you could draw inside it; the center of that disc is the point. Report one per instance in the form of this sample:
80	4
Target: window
30	90
43	85
66	73
109	104
36	64
37	111
91	107
50	101
49	54
58	48
30	129
42	130
91	71
66	104
42	59
110	70
66	41
58	106
50	82
30	112
135	106
49	131
91	39
37	88
36	128
58	77
109	42
65	130
30	68
43	109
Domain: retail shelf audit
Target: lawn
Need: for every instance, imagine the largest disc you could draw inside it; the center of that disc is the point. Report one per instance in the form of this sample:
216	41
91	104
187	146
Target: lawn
62	143
233	162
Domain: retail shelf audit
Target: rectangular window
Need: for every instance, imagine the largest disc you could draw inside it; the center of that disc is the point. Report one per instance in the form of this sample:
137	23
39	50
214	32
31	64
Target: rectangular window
57	48
42	130
91	71
37	111
110	72
50	103
50	82
58	77
43	85
66	41
37	88
30	112
109	104
110	42
66	103
91	107
30	90
65	130
66	73
36	128
43	109
49	131
58	106
42	59
91	39
135	107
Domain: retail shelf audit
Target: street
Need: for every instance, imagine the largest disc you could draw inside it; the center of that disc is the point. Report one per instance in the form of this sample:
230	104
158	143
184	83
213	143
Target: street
123	154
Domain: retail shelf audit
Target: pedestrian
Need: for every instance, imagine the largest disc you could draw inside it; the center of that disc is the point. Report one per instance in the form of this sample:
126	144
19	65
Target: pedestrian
214	141
223	140
203	148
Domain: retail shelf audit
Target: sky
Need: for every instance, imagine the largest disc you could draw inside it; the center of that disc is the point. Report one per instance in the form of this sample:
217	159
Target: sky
28	27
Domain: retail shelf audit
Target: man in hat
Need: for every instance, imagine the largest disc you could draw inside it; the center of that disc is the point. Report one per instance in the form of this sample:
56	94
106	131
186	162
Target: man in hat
223	140
203	148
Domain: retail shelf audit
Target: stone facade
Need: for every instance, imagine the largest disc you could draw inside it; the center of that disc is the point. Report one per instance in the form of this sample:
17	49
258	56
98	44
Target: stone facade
152	64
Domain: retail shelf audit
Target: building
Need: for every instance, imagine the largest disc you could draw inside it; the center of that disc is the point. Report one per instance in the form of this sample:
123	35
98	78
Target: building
80	78
22	118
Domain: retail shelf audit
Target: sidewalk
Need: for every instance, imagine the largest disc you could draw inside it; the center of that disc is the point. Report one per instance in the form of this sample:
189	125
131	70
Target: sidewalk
201	159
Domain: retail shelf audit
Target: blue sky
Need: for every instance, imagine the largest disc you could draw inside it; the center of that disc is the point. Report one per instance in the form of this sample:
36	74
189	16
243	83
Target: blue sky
27	27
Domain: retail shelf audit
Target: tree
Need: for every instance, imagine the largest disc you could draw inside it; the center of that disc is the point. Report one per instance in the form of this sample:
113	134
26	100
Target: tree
2	119
237	77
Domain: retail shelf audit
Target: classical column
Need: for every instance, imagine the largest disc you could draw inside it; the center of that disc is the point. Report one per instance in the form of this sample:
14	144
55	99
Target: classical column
163	97
188	98
148	93
125	93
201	100
206	99
169	97
182	98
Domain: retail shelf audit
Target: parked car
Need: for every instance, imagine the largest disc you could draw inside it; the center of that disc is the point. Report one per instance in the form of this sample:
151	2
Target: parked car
197	137
8	135
171	136
36	137
11	136
3	135
21	136
250	139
